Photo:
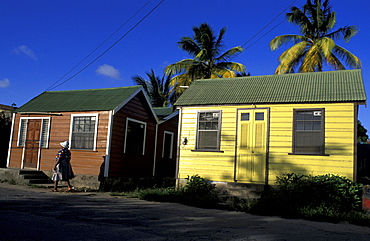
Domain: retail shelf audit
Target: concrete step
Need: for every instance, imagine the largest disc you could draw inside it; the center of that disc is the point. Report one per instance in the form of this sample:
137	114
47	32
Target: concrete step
35	177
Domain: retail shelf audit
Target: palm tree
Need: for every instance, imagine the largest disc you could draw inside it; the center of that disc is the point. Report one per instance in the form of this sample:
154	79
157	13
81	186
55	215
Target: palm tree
316	46
207	62
158	89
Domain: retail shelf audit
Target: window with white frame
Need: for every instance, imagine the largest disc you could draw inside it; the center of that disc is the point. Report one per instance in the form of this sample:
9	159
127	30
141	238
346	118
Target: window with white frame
44	131
83	131
135	137
308	132
208	130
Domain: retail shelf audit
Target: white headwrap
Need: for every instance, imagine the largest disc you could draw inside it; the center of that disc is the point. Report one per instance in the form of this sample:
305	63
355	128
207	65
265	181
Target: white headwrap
65	144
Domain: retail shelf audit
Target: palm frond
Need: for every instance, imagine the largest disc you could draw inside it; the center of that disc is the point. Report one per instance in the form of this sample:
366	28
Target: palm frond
278	41
219	41
325	46
202	55
329	21
179	67
289	57
141	81
188	45
334	62
350	59
226	73
232	66
229	54
345	33
312	61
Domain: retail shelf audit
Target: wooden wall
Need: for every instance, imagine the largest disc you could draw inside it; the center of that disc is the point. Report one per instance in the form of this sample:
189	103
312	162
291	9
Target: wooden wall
166	167
83	161
340	122
130	165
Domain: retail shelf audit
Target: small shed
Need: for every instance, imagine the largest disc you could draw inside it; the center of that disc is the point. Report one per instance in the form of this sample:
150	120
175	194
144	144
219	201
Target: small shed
112	132
165	165
252	129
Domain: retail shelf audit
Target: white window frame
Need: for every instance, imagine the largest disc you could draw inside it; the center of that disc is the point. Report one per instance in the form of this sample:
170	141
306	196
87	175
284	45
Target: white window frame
96	115
22	132
171	146
321	112
144	139
197	144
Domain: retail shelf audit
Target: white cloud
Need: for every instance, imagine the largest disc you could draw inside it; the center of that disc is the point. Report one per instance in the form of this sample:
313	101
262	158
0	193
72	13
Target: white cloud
4	83
108	71
23	49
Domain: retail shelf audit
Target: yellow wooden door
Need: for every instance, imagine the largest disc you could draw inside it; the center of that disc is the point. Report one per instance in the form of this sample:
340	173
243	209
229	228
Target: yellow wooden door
251	146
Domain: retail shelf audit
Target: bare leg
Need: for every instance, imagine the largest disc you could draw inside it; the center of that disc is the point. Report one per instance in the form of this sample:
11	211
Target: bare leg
69	185
55	186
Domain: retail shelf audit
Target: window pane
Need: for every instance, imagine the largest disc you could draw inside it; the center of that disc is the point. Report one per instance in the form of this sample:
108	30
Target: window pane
207	140
300	115
308	125
214	126
307	142
83	132
308	115
208	125
260	116
317	125
245	116
300	125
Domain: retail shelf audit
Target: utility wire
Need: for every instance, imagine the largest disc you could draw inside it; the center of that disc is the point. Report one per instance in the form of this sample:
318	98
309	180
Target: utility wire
266	27
264	35
55	85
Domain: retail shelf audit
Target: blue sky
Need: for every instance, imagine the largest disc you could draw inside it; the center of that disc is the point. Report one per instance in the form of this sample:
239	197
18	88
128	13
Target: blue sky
42	40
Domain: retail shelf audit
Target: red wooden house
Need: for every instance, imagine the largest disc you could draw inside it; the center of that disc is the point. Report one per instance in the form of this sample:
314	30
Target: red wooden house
112	132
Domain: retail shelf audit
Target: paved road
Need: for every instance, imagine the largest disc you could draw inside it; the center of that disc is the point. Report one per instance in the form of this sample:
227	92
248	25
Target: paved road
37	214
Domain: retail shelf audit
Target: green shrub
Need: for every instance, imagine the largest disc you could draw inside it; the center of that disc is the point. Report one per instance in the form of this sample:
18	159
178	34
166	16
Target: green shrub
300	195
198	185
197	192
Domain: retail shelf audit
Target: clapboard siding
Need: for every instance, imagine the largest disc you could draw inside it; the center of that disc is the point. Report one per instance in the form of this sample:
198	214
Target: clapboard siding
126	165
340	122
164	166
83	161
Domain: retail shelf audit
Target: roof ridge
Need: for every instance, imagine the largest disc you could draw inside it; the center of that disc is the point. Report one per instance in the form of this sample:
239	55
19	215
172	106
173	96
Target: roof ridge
98	89
284	75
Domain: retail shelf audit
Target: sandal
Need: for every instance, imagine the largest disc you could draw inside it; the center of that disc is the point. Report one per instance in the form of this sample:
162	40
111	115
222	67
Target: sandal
53	190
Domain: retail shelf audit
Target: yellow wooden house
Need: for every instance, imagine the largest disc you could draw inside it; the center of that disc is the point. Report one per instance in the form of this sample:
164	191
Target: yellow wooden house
252	129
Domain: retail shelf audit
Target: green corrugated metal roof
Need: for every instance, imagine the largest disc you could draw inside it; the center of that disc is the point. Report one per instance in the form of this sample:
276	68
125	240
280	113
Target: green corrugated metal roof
333	86
163	111
79	100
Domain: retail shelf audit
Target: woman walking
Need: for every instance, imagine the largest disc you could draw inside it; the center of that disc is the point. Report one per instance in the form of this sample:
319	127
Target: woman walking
62	168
